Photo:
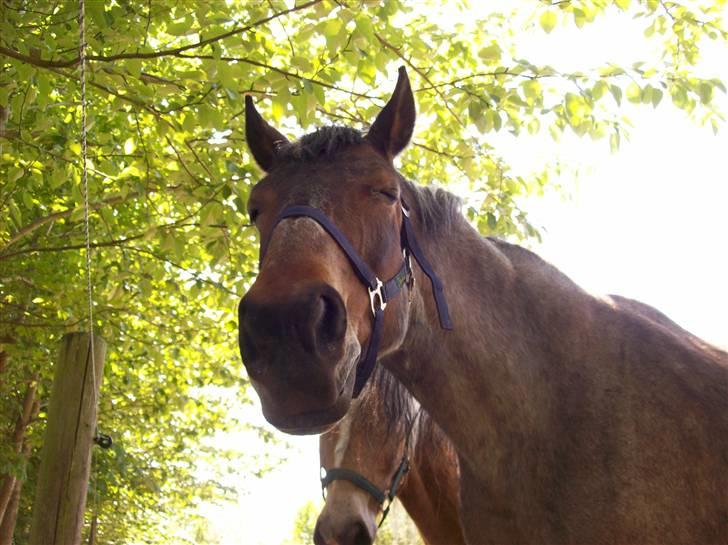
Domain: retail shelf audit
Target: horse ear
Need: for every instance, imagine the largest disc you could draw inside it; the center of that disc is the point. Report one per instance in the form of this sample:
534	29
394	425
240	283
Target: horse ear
263	140
392	129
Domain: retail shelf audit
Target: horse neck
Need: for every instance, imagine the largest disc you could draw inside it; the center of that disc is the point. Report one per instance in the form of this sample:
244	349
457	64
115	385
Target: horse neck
511	312
430	493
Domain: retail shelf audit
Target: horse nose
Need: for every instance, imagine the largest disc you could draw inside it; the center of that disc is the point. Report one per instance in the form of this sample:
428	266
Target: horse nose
355	533
314	318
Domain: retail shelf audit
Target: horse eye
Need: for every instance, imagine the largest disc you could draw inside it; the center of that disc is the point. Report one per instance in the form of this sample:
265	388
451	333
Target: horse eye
389	194
253	214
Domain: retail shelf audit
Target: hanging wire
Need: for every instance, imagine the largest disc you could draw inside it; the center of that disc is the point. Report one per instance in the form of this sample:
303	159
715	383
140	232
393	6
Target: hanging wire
89	289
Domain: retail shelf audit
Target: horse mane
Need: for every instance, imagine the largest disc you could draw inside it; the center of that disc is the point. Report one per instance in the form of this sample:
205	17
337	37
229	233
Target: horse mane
323	143
437	210
401	411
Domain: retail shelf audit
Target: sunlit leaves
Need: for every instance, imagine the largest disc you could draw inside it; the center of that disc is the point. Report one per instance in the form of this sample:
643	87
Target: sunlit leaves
170	174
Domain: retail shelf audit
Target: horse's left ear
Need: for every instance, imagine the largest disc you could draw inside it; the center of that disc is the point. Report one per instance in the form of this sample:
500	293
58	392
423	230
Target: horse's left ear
392	129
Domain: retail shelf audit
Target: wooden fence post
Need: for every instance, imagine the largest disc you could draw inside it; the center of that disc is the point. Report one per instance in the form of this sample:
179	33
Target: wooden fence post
63	476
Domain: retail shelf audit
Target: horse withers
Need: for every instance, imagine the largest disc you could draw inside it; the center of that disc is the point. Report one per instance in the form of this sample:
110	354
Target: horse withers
387	447
574	420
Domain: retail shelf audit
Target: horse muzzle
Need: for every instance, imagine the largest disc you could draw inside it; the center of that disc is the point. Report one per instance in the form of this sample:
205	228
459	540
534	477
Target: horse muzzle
299	356
355	532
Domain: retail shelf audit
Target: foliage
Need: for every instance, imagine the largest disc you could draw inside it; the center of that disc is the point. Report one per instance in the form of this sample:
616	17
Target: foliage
304	524
169	176
398	528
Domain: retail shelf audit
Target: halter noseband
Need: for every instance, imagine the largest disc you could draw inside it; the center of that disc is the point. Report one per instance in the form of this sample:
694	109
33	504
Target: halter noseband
380	293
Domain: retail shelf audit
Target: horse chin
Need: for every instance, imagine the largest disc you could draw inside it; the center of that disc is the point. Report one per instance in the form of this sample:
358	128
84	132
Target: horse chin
318	420
314	422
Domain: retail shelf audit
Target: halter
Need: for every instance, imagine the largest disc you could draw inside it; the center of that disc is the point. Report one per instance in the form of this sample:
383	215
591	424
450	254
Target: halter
383	498
380	293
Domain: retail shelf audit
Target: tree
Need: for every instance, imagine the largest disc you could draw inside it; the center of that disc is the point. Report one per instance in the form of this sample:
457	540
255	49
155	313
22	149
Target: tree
304	525
169	176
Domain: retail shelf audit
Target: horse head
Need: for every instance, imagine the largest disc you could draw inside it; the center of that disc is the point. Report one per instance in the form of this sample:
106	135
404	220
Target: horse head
365	462
306	323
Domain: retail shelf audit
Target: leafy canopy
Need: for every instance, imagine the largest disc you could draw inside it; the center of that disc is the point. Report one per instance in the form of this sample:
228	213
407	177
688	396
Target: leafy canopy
169	176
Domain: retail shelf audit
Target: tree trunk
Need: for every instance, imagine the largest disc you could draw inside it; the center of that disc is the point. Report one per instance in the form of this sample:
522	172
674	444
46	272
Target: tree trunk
92	531
7	526
63	476
8	483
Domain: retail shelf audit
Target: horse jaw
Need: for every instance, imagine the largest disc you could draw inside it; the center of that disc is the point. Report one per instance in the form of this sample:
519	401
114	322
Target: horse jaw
317	418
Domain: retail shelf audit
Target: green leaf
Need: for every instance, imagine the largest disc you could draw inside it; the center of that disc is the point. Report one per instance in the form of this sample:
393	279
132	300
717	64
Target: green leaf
15	173
491	53
705	92
532	90
614	142
364	25
548	20
180	28
15	214
656	97
634	93
96	11
134	66
616	92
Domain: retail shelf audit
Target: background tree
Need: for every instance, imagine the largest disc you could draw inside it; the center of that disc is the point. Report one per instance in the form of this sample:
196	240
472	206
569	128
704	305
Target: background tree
170	174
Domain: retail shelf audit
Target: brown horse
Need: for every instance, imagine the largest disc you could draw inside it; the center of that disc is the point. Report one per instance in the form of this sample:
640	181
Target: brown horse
384	432
574	420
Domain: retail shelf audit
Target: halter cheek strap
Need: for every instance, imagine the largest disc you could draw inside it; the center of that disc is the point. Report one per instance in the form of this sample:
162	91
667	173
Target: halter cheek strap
380	293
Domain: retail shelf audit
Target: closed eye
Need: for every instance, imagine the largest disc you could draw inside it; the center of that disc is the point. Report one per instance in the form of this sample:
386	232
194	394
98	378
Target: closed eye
390	194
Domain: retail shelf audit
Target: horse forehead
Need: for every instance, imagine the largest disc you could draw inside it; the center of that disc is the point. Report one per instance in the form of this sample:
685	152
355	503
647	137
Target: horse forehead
329	176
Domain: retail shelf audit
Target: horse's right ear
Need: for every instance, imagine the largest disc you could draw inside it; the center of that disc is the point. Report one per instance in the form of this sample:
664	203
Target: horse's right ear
393	127
263	140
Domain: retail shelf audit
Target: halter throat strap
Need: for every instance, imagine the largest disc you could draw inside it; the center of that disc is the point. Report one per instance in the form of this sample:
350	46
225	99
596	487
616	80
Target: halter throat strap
380	293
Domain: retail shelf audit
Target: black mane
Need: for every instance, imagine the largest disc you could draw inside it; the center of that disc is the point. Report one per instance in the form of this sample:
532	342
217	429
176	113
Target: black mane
437	209
320	144
400	411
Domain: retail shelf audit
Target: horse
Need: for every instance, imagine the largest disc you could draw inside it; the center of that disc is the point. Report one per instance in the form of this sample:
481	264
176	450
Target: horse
387	447
574	420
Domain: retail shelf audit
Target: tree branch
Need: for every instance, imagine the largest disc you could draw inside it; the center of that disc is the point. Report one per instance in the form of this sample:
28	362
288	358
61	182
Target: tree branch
397	52
37	61
279	71
40	222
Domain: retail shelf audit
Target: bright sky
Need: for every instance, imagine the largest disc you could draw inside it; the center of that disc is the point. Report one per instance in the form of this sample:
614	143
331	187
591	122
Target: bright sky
650	222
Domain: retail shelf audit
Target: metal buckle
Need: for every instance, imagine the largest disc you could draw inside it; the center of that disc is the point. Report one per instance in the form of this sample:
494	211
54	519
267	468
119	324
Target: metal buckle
377	293
410	275
322	473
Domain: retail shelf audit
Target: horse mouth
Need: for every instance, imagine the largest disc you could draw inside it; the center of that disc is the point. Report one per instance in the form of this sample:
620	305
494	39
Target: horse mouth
321	420
314	422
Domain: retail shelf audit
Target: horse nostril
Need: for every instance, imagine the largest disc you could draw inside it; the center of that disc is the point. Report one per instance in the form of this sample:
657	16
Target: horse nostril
357	534
330	319
318	538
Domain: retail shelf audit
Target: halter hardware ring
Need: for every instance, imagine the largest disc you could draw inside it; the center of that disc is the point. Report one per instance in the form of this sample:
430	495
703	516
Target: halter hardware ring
377	293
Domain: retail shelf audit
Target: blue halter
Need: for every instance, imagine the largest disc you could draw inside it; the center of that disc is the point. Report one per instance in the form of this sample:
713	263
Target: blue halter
380	293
